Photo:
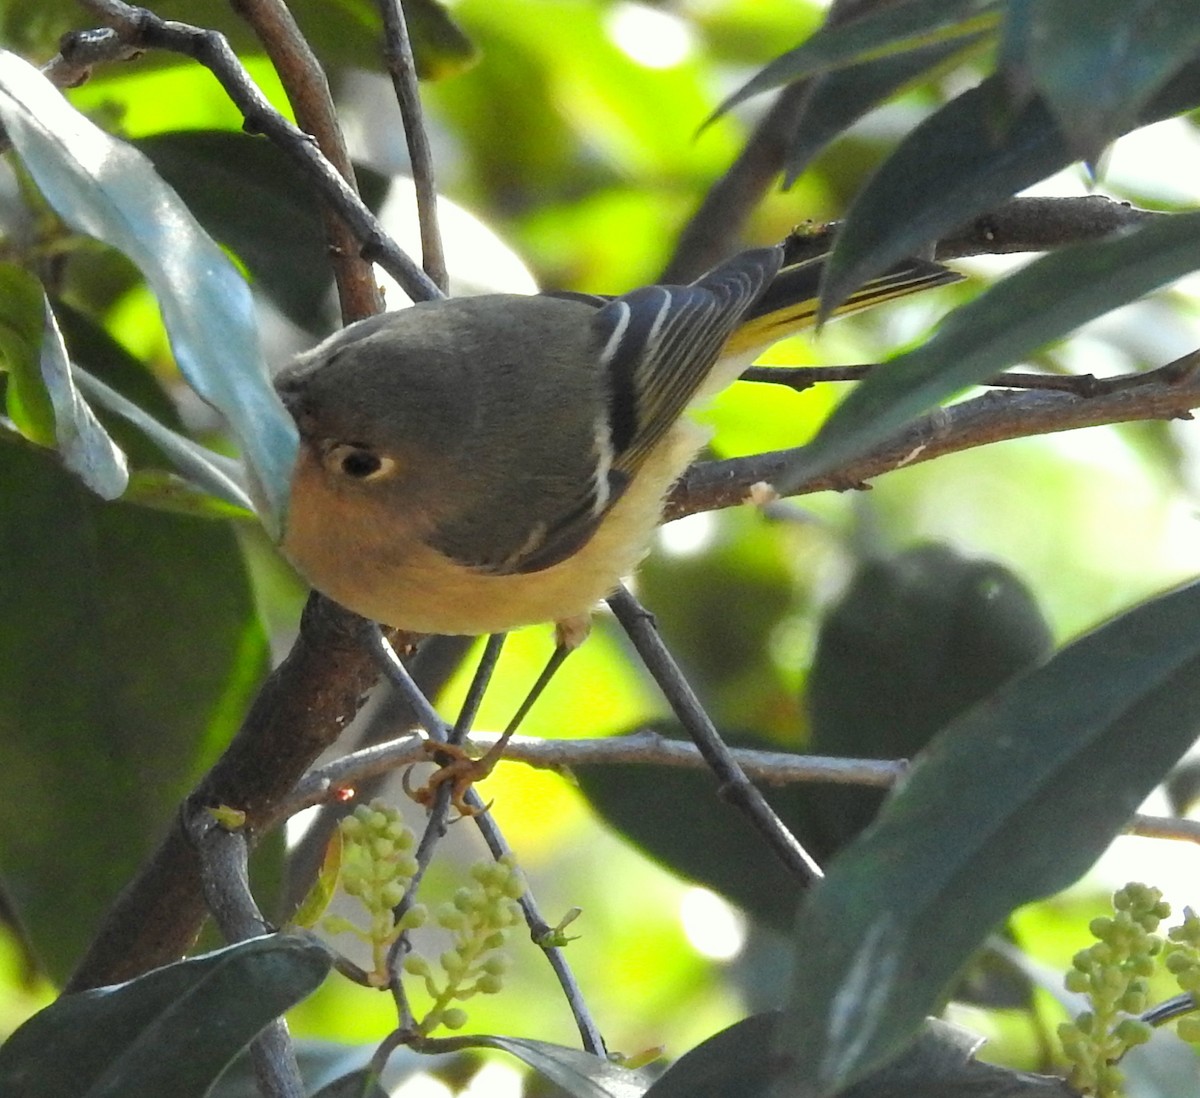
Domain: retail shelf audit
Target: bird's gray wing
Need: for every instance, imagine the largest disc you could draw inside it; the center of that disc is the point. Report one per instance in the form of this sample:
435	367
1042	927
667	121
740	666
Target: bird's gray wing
659	344
656	346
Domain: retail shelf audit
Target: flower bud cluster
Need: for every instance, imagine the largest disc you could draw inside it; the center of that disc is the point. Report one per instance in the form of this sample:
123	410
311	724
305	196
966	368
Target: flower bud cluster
1114	973
479	918
1183	962
377	868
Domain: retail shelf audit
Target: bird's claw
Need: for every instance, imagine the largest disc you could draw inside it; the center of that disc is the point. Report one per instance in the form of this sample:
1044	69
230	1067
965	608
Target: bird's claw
459	769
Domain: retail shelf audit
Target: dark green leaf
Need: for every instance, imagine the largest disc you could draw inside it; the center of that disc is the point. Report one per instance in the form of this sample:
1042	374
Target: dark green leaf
888	30
743	1060
738	1060
108	190
129	647
1011	802
974	153
1041	302
170	1032
580	1074
838	99
247	195
440	46
1097	62
915	641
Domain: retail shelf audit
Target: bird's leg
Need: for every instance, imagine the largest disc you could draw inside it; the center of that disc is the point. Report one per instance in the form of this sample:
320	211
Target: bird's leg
462	770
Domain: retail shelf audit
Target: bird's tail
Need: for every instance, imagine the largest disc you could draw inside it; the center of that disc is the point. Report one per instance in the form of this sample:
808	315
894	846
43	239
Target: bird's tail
789	304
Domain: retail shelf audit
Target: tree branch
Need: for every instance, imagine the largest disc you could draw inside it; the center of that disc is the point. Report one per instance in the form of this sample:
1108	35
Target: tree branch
1018	225
1170	392
142	29
1165	827
308	92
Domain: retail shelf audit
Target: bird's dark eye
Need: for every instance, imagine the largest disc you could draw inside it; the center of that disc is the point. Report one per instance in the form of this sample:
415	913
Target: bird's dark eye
357	462
360	464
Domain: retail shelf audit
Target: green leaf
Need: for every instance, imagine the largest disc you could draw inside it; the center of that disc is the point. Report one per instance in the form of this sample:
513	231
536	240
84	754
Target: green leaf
974	153
440	46
580	1074
916	640
108	190
319	897
1011	802
940	1063
889	30
165	491
247	195
41	395
170	1032
1010	321
130	646
738	1060
85	446
1097	62
22	323
210	472
147	427
840	98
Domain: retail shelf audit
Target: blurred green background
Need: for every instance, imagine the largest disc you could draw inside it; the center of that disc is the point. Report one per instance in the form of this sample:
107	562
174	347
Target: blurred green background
573	138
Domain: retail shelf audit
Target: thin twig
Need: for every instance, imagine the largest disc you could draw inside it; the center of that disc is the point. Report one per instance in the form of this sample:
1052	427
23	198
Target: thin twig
81	51
398	56
646	747
799	378
733	783
307	90
143	29
1018	225
498	846
439	812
